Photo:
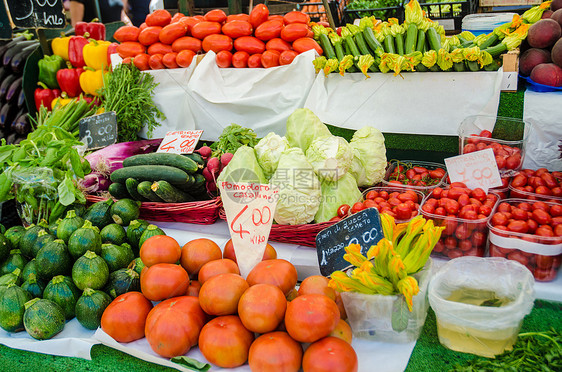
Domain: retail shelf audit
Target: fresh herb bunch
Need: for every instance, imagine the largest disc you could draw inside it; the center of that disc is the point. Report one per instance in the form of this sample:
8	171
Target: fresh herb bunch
129	92
233	137
533	351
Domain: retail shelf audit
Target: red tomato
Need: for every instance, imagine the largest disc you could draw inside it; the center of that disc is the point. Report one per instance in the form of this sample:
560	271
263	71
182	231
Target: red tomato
343	210
518	226
556	210
185	57
141	61
513	161
306	43
130	49
240	59
149	35
155	62
294	31
215	15
499	218
286	57
270	58
269	30
357	207
478	239
544	230
278	44
238	17
403	212
518	256
549	180
485	134
519	180
540	205
296	17
258	15
255	60
236	29
452	207
171	32
159	48
224	59
216	43
186	43
126	33
450	223
468	148
176	17
478	193
169	60
159	17
249	44
519	214
189	22
437	173
542	217
205	28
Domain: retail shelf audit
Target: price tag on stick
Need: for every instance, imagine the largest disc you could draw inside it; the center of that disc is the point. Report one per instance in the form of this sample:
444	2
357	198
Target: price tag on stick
249	211
180	141
475	169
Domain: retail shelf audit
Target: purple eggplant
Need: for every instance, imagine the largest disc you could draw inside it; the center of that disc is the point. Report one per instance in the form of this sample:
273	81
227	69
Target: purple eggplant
5	85
21	99
18	61
14	90
8	113
21	124
15	49
4	71
10	139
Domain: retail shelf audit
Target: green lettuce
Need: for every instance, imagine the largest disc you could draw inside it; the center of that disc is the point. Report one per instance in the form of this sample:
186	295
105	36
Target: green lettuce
334	194
303	126
330	157
369	161
269	150
243	167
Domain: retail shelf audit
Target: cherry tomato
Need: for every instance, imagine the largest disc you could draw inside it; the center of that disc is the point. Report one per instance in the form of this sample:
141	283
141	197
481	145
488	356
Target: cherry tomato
403	212
462	232
518	256
357	207
519	180
540	205
485	134
450	223
450	243
224	59
452	207
478	239
468	148
499	219
544	230
370	204
556	210
519	214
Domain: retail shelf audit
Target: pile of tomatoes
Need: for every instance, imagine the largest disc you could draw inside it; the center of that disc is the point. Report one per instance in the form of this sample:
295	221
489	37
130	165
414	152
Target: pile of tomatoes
262	320
535	222
537	184
508	158
414	175
464	213
240	40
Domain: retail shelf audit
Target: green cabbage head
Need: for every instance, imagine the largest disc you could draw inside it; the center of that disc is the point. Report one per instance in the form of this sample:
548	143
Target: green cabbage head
369	161
330	157
268	151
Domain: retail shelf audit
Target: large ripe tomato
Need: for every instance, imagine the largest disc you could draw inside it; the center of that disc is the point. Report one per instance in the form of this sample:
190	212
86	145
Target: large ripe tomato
225	342
278	272
160	249
275	351
269	30
205	28
296	17
328	355
172	32
269	254
236	29
216	267
294	31
262	308
186	43
220	294
317	284
215	15
311	317
125	317
159	17
258	15
198	252
240	59
163	280
249	44
173	326
303	44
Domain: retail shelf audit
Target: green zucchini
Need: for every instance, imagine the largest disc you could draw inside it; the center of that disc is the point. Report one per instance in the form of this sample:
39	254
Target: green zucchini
162	158
62	291
12	308
389	44
473	66
53	259
371	40
491	40
122	281
68	225
28	240
421	68
29	268
42	239
143	188
433	38
169	193
90	307
124	211
399	41
131	184
114	234
34	286
14	277
459	67
420	43
98	213
327	46
43	319
14	234
496	50
90	271
361	44
118	190
411	38
151	230
134	233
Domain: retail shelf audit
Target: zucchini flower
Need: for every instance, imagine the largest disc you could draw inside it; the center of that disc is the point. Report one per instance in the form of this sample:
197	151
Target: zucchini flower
457	55
396	28
429	58
391	230
413	12
514	39
336	41
353	255
341	282
444	60
485	59
467	35
318	30
478	40
396	270
374	282
507	28
353	29
366	22
319	63
419	254
381	255
413	229
409	288
345	64
331	65
365	62
471	54
345	31
454	41
535	13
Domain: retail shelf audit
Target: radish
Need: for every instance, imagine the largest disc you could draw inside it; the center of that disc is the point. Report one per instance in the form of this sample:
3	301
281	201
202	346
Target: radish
205	152
208	175
213	165
211	187
225	159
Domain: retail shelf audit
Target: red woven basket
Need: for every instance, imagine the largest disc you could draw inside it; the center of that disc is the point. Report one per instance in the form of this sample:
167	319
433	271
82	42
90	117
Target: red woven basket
204	212
293	234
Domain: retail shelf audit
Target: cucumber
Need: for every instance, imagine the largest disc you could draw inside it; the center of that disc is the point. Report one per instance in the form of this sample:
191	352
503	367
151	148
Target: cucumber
150	173
162	158
144	189
90	307
169	193
118	190
124	211
132	184
196	158
43	319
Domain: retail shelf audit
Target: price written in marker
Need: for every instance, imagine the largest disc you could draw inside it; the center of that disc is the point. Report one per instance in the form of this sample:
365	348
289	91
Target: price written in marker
249	211
98	131
475	169
180	141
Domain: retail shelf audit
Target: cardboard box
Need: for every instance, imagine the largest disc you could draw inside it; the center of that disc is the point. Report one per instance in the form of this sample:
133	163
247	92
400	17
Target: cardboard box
494	3
510	63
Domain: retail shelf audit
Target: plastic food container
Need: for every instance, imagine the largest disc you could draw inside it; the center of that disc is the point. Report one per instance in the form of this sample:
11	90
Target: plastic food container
371	316
378	200
509	136
389	178
458	291
521	194
542	255
501	191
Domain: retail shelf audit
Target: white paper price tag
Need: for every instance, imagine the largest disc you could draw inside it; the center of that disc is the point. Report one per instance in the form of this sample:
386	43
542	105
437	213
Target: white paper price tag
475	169
180	141
249	211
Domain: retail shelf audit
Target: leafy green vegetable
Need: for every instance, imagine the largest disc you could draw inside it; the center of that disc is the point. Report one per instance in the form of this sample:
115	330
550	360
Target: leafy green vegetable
191	363
233	137
128	92
533	351
334	194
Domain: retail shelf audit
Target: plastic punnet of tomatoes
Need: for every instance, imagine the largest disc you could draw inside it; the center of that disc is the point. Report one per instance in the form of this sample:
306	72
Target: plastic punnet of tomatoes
502	191
529	232
537	184
416	175
505	136
402	204
464	212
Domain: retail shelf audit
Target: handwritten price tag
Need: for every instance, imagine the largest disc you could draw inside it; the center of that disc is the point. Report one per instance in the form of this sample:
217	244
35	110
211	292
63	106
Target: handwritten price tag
475	169
249	211
180	141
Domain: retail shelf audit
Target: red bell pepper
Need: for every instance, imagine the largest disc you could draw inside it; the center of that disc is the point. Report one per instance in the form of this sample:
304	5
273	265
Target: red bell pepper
75	50
90	30
112	49
43	96
69	81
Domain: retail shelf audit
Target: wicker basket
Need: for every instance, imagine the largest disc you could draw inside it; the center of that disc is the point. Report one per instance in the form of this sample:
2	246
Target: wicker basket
204	212
293	234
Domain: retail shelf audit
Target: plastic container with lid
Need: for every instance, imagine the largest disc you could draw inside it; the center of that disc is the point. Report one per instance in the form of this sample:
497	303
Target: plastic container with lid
384	197
394	178
507	140
480	303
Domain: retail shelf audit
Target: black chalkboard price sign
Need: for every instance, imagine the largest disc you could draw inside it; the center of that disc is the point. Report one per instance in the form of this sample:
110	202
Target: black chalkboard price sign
99	130
363	228
36	13
5	28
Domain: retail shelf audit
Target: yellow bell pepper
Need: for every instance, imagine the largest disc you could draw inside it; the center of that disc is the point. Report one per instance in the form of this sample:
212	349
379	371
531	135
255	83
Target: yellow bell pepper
59	45
91	81
95	54
60	101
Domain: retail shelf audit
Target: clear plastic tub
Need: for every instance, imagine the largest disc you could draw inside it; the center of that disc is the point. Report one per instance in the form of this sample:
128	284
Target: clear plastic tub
501	191
378	200
542	255
463	294
371	316
509	136
391	177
